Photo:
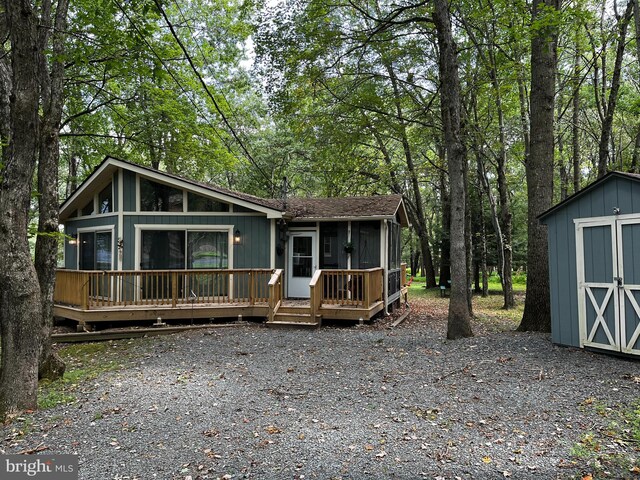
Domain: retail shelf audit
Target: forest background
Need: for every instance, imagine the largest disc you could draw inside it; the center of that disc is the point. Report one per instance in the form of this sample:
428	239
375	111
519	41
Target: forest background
481	114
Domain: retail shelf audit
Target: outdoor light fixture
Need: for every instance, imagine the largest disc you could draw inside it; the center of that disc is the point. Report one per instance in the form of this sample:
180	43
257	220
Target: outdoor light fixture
73	239
237	239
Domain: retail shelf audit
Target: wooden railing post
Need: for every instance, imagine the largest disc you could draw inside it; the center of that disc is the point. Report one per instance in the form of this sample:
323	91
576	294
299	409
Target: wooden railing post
174	288
366	286
85	291
252	288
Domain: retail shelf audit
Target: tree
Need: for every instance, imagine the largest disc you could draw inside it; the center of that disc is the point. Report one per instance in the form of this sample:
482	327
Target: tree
459	322
539	166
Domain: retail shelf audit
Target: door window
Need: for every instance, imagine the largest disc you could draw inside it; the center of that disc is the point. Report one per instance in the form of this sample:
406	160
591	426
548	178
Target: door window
302	257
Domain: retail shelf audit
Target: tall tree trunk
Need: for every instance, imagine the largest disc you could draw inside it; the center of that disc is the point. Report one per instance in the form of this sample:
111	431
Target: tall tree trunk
444	279
51	87
459	321
607	124
539	166
421	225
19	290
575	117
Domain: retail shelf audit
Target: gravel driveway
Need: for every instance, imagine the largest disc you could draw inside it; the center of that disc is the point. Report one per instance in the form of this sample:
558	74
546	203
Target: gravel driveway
350	403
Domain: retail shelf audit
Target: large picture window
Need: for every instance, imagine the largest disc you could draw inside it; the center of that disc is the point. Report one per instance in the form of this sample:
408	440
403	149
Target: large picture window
158	197
180	249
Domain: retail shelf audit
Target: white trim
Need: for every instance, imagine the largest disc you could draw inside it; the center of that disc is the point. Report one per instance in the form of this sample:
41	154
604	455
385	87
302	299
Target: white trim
626	291
192	214
341	219
606	219
349	240
384	263
313	233
186	185
120	214
96	229
584	288
138	227
272	244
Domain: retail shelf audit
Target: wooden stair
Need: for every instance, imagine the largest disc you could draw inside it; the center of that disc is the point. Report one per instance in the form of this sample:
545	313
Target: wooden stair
294	316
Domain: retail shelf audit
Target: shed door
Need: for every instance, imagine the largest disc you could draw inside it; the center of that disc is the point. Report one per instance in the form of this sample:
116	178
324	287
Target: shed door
628	233
609	284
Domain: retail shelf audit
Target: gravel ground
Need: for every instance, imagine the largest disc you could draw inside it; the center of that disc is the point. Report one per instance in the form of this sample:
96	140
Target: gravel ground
348	403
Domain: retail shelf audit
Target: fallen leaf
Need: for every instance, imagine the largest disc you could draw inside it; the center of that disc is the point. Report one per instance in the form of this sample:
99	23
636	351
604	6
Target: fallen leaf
368	447
273	429
486	459
382	454
587	476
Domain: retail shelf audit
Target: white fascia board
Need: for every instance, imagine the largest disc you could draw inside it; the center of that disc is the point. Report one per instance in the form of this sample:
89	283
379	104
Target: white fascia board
112	162
87	184
340	219
271	213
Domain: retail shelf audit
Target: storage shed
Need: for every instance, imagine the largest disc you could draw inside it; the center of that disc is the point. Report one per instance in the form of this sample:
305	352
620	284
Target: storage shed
594	265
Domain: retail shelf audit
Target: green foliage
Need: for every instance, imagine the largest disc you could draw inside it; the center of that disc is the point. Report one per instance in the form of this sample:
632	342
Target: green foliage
85	361
610	448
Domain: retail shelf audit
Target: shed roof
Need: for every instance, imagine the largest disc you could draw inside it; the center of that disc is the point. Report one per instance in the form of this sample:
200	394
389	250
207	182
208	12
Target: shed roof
630	176
338	208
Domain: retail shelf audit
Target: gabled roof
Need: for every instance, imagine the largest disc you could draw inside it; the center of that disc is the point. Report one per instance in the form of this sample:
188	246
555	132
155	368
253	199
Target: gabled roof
342	208
101	176
629	176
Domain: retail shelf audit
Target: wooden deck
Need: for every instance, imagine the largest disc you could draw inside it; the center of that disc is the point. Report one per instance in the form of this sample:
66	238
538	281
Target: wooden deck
90	297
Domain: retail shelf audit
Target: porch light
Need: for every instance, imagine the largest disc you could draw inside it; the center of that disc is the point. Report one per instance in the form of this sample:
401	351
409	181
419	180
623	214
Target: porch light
237	238
73	239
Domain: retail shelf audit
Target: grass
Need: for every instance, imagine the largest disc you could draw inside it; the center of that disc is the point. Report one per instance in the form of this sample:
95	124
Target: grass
611	451
85	361
487	311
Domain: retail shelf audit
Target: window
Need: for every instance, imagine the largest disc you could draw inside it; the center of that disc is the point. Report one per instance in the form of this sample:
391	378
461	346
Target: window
198	203
394	246
180	249
157	197
88	208
95	251
162	250
207	250
105	200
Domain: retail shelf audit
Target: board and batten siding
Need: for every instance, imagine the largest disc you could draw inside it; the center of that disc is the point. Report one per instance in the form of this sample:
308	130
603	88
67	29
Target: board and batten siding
599	201
96	222
253	252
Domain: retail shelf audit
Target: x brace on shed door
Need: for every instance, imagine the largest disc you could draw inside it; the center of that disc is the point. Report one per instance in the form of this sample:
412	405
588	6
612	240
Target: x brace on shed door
608	271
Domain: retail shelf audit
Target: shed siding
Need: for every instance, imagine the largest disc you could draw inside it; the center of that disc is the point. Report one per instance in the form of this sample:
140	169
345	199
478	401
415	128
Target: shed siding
599	202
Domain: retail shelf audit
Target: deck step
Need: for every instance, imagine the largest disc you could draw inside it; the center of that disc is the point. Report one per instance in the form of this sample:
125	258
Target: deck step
294	320
295	309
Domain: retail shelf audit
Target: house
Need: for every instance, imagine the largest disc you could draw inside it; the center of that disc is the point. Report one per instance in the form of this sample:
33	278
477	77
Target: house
143	244
594	276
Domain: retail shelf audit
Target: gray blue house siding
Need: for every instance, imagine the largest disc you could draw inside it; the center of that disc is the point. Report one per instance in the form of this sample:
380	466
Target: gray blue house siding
615	191
71	228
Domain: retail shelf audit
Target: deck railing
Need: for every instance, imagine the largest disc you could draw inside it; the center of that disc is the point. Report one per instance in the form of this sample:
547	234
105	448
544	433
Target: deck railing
353	288
124	288
99	289
403	275
275	293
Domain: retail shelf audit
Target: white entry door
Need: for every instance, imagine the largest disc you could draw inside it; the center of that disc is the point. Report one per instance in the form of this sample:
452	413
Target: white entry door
303	262
609	283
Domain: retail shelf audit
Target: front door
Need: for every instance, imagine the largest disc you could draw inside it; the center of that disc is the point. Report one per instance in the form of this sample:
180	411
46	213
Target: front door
609	283
302	263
